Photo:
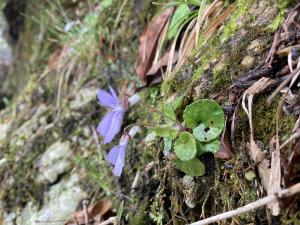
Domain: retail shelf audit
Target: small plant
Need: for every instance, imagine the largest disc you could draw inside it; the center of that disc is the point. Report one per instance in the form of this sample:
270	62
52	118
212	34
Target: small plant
203	124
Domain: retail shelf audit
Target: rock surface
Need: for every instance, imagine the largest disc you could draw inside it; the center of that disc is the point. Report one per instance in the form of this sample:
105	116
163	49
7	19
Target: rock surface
60	202
54	162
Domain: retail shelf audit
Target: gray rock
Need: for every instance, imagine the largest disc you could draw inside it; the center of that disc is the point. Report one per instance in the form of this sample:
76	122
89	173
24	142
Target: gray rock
55	161
59	204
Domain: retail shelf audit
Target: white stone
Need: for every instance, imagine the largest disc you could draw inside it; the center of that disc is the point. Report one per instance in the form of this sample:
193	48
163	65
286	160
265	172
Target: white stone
55	161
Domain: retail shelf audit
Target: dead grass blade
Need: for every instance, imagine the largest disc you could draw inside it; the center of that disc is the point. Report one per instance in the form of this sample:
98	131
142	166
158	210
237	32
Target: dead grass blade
255	152
212	27
188	30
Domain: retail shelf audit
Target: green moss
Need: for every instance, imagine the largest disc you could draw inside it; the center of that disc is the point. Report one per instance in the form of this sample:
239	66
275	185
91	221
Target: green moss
221	78
282	5
264	120
242	6
141	217
233	191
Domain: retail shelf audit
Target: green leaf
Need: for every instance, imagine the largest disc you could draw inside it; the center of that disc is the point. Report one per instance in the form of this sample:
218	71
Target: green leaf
169	108
167	145
166	131
181	12
204	111
204	133
120	211
185	146
193	167
169	112
177	102
212	147
207	117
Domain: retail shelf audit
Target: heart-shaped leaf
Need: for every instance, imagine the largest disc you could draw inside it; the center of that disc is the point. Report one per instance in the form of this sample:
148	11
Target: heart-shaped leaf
185	146
212	147
167	146
166	131
193	167
205	134
207	117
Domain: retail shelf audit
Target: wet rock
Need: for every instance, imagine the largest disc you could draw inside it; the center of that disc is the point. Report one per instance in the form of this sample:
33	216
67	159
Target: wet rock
54	162
59	203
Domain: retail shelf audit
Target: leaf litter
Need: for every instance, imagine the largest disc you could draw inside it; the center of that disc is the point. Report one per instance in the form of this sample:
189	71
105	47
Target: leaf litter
171	36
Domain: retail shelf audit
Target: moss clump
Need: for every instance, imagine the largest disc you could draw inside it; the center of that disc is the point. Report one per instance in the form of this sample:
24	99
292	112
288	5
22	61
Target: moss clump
242	7
282	5
141	216
264	120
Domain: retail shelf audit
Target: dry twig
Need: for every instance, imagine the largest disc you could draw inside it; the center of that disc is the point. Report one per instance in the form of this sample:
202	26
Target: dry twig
254	205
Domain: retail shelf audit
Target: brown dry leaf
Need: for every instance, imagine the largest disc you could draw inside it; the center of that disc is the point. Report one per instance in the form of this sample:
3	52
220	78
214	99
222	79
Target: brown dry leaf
225	151
149	41
154	75
99	209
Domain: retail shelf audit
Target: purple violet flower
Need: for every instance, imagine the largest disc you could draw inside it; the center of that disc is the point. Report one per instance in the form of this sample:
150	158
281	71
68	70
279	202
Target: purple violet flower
116	155
111	124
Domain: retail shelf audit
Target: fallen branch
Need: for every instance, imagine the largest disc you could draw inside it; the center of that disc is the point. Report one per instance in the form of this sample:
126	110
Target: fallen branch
254	205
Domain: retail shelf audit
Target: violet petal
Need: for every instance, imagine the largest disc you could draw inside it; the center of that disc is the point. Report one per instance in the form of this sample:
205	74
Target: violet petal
113	93
105	123
120	161
108	100
113	155
114	126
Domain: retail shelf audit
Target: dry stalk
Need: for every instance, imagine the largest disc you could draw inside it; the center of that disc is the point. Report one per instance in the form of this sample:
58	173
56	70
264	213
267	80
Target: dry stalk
111	220
254	205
